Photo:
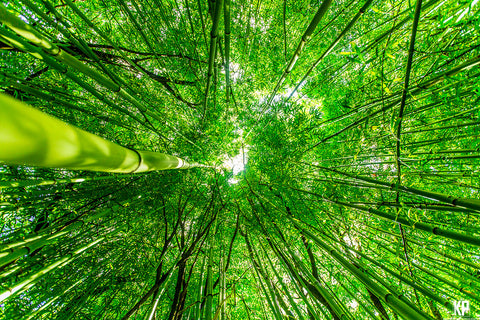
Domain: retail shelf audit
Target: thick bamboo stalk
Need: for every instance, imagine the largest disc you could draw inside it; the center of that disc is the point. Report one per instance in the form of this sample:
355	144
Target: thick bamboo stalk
30	137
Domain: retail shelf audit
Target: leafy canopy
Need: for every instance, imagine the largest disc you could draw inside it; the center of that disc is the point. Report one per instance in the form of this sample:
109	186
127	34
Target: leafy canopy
344	143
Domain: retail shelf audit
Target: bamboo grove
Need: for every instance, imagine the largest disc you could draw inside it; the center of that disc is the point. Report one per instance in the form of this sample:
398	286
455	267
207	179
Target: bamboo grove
352	127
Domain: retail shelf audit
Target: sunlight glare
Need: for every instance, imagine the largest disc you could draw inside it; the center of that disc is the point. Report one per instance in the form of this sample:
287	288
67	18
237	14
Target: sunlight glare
236	164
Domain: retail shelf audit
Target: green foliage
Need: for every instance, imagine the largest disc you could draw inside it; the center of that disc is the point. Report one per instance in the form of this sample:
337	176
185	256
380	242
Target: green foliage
339	205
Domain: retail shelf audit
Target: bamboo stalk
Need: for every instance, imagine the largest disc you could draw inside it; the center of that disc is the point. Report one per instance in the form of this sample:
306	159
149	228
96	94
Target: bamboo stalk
37	139
473	204
284	287
439	231
424	290
79	43
332	46
419	88
39	53
395	303
31	280
398	128
209	292
27	32
227	48
213	50
43	307
29	183
303	41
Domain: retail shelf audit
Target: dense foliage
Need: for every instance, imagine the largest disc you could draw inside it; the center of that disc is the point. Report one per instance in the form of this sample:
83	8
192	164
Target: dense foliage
352	128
